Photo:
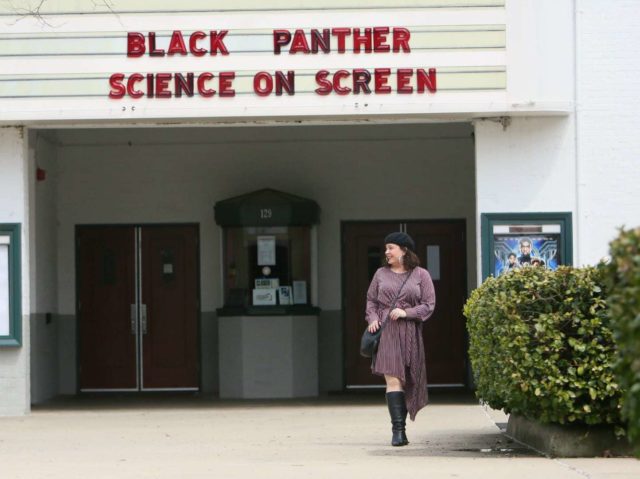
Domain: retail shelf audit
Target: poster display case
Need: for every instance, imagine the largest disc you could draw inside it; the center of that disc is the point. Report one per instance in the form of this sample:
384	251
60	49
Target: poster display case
10	286
517	240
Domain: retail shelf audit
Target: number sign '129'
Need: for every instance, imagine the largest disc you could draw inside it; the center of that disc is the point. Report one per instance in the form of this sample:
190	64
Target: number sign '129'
266	213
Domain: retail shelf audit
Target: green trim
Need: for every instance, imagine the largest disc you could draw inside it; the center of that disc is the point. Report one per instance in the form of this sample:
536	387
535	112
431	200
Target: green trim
488	220
14	338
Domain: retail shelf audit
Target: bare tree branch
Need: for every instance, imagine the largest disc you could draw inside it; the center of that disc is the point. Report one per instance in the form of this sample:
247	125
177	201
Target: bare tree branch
108	4
35	11
29	12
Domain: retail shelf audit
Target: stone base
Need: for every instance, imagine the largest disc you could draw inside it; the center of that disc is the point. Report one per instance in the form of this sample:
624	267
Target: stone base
567	440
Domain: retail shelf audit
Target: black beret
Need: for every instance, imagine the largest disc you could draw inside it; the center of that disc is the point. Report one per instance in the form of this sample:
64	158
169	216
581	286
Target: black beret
401	239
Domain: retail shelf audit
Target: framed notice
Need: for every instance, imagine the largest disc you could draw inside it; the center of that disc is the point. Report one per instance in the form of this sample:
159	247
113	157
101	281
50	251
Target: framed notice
10	286
266	283
264	297
299	292
285	296
511	241
266	250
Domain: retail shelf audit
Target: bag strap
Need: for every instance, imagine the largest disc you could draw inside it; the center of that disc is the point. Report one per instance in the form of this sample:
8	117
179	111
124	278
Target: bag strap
395	300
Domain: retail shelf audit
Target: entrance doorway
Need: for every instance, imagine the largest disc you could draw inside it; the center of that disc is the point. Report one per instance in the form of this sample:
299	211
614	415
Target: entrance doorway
138	307
441	247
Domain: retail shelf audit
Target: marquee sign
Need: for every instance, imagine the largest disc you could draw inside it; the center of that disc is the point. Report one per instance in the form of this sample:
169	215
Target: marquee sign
371	40
143	60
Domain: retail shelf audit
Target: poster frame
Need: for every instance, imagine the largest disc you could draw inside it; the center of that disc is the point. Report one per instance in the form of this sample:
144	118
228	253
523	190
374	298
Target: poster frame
14	338
489	220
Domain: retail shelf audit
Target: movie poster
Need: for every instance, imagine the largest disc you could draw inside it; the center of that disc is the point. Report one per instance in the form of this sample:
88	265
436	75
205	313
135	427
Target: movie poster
518	251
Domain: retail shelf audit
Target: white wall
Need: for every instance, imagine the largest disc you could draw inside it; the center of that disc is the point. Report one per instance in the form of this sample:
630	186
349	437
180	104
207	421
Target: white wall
527	167
44	271
14	361
178	175
46	226
608	106
540	53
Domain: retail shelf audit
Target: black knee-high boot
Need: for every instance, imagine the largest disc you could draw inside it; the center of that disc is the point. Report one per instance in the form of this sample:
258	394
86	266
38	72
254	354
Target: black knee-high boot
398	412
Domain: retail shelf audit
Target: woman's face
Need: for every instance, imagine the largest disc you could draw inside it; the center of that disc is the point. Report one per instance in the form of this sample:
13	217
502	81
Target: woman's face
393	253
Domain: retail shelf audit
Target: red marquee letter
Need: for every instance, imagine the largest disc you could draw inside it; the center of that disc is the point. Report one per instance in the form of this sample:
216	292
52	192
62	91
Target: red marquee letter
262	78
153	51
117	88
183	85
401	38
361	79
202	89
150	86
325	85
135	44
379	39
341	33
285	83
225	83
299	43
162	85
381	78
426	80
217	42
176	45
339	75
403	78
131	85
360	41
193	46
280	39
320	42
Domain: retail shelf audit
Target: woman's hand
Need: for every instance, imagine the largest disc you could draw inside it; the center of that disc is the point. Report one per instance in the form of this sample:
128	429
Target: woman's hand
374	326
397	313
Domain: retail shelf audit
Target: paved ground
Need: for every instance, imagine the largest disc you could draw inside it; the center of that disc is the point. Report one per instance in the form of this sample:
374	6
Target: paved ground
329	438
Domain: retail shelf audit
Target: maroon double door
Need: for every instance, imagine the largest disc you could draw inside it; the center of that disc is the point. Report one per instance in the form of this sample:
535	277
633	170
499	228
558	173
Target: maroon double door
138	307
441	248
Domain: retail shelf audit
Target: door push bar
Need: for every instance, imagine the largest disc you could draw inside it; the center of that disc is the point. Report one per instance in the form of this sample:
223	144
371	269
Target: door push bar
133	319
143	318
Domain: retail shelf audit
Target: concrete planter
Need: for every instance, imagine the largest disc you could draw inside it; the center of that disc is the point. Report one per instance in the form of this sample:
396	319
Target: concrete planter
567	440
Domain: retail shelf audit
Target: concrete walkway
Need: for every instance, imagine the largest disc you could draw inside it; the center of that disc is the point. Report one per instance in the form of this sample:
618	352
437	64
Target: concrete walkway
330	438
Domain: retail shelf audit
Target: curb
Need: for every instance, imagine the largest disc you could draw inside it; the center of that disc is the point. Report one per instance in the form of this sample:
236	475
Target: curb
557	440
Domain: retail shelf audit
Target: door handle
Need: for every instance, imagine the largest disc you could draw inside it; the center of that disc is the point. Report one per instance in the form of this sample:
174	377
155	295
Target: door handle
143	318
133	319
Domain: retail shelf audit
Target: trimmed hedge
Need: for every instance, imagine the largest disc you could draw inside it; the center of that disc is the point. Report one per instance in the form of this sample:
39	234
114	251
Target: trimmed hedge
541	346
623	281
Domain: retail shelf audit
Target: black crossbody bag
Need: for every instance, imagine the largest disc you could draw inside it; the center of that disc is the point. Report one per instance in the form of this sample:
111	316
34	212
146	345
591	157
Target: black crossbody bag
369	341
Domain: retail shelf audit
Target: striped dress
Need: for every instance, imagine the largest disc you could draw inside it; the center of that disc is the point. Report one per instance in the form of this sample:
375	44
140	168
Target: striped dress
401	349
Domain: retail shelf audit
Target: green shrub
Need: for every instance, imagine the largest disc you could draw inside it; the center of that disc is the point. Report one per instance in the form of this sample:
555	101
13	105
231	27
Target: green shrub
623	281
541	347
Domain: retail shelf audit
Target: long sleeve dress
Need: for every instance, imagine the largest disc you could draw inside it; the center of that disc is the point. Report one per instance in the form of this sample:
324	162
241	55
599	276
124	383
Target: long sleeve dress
401	348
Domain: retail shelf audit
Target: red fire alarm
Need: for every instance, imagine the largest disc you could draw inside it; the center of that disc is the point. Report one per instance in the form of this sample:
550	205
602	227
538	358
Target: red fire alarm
41	174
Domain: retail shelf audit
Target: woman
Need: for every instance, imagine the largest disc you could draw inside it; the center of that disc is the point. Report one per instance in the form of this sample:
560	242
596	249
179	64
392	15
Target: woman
400	356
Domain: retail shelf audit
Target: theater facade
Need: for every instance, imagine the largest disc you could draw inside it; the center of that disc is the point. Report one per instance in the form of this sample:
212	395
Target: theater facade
194	198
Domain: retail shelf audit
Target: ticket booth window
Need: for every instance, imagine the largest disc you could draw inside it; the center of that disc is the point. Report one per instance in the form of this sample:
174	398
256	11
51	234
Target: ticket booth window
267	253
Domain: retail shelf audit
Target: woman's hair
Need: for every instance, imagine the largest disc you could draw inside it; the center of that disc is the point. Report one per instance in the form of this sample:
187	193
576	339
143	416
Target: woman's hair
411	259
